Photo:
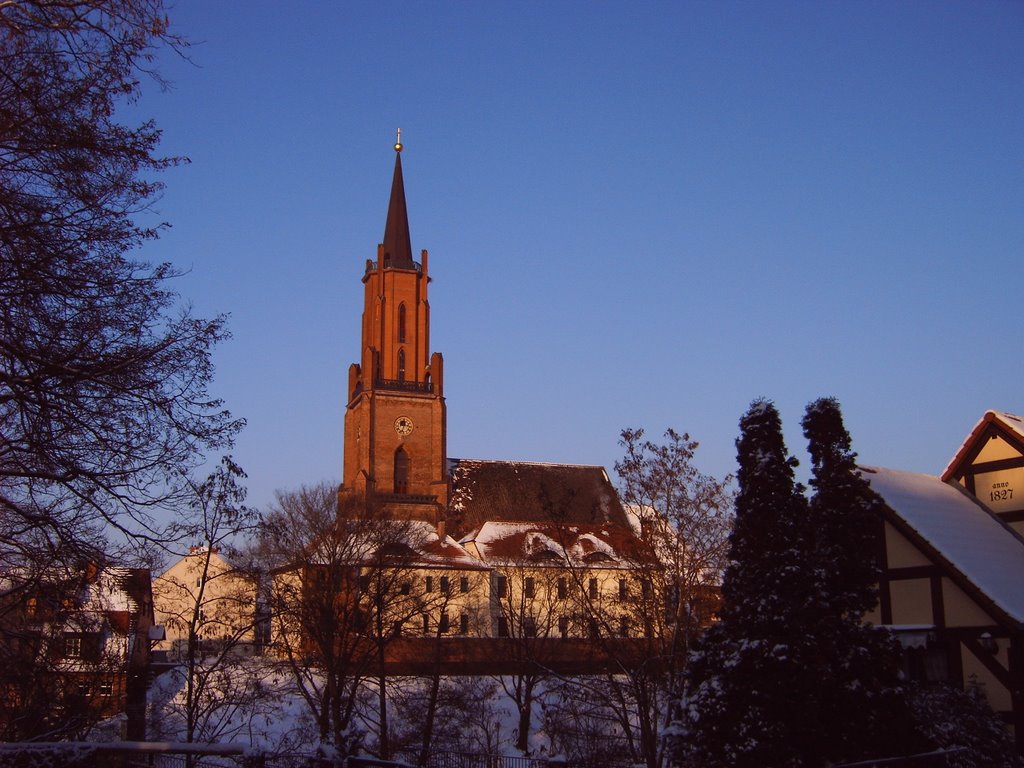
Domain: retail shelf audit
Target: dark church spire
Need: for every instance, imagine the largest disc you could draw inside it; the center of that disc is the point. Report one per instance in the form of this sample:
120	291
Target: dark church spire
397	245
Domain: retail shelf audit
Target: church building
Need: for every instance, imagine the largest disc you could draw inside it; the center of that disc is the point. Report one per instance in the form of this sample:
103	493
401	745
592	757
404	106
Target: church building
557	521
395	418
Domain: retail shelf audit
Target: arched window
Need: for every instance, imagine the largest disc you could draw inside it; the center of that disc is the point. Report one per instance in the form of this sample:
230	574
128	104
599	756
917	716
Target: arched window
401	323
403	468
401	365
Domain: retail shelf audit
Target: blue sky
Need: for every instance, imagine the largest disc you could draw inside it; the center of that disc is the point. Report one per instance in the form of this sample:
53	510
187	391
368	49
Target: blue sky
642	214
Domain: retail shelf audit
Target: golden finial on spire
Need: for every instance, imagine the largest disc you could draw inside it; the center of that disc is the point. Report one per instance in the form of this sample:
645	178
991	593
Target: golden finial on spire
398	141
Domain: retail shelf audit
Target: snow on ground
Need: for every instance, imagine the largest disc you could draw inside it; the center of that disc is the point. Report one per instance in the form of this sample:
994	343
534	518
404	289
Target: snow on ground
475	714
260	707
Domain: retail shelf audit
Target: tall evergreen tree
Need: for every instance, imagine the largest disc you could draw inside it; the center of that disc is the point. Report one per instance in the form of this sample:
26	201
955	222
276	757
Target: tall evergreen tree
846	515
862	702
792	676
750	685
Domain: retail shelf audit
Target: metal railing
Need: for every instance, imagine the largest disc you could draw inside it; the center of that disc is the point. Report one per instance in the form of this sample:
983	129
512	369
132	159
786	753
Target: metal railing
921	760
405	498
371	265
127	754
403	385
481	760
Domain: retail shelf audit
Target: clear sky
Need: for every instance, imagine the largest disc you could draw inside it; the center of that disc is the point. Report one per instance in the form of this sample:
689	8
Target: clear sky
638	214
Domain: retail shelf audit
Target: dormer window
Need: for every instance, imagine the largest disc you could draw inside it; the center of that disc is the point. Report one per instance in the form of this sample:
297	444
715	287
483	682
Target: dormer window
396	551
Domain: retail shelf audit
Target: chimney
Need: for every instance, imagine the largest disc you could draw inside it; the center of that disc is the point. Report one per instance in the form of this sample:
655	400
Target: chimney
441	529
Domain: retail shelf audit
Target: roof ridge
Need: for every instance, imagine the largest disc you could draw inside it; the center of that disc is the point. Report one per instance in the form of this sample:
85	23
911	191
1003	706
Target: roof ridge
528	463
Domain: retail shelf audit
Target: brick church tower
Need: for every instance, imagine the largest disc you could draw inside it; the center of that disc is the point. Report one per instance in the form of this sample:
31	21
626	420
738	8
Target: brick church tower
395	442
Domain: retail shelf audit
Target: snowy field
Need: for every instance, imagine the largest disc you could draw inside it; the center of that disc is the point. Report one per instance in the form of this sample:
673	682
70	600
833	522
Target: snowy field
257	703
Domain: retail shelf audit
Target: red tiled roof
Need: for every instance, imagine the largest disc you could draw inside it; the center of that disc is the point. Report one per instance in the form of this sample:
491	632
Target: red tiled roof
541	493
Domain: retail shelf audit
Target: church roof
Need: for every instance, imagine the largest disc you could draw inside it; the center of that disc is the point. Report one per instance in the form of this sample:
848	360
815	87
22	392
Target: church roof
515	491
397	243
972	540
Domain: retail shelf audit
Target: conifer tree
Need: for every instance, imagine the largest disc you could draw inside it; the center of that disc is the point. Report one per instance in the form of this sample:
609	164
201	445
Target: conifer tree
846	515
749	697
792	676
862	701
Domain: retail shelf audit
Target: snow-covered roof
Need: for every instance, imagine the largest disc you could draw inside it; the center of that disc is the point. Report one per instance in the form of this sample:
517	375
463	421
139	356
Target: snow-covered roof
443	550
505	543
973	540
109	592
101	596
1010	422
415	542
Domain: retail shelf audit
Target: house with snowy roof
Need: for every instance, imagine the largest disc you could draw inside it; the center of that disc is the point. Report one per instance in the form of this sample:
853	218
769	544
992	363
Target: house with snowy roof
952	587
562	526
205	594
75	648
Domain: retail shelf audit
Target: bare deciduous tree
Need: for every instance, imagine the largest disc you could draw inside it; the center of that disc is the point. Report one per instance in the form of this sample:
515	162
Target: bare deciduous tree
208	605
665	592
531	604
684	517
104	375
339	600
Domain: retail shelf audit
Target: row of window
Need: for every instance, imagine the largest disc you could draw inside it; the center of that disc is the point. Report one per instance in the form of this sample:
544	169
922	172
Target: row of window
562	588
444	585
445	624
528	626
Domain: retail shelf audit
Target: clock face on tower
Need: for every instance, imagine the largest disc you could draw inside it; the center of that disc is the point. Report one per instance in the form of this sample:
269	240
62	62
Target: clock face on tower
403	426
